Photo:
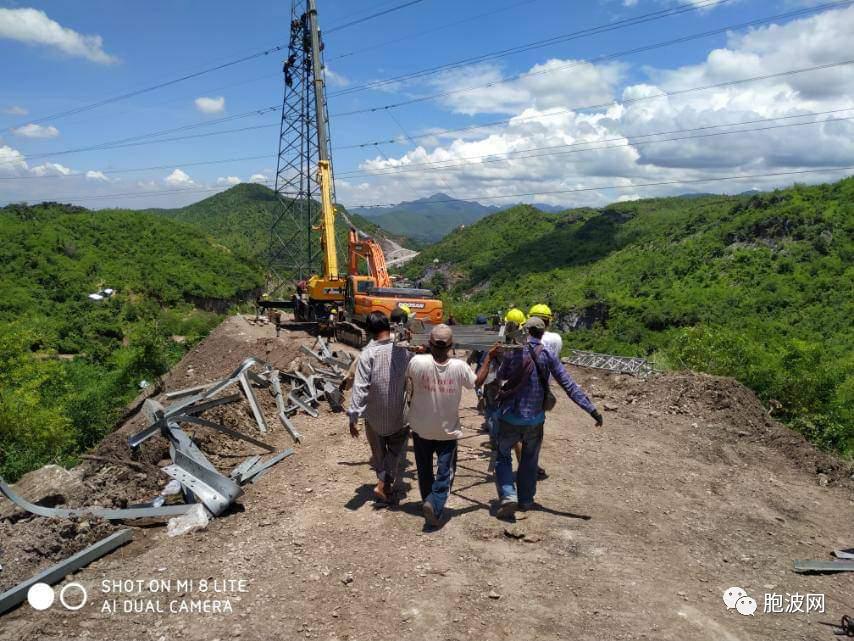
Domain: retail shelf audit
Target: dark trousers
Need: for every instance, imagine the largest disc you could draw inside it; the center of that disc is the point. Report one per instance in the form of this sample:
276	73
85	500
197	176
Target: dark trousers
435	486
388	453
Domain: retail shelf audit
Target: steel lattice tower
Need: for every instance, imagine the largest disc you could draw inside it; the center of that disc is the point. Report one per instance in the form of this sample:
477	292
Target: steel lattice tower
294	250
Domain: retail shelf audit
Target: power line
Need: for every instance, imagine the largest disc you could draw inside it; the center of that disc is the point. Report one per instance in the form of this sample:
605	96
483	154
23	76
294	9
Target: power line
141	143
537	44
160	85
188	76
507	120
516	195
429	31
129	170
119	143
633	186
372	16
436	166
529	74
665	94
131	141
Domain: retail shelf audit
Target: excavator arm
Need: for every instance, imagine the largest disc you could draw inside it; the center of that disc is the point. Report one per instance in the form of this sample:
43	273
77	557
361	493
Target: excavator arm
372	253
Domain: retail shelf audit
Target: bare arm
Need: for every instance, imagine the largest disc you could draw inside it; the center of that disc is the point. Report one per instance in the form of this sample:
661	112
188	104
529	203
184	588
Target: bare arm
483	372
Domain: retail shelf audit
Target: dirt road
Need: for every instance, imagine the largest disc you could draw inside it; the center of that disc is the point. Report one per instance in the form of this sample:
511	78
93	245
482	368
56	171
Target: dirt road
688	490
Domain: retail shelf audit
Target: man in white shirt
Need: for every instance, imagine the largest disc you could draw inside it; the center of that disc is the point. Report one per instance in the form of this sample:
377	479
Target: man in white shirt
553	343
437	384
551	340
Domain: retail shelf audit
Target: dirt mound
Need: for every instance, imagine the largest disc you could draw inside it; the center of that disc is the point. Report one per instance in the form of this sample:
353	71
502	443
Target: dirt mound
724	407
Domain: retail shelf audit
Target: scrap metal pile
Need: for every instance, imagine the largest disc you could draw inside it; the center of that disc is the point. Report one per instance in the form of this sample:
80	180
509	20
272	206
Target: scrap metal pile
620	364
206	491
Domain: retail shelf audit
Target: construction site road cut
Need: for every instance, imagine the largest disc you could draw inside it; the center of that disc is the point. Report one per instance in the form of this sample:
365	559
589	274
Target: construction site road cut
640	531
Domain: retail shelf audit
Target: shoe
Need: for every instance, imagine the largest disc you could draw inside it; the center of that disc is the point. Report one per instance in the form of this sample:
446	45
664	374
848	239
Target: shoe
507	508
541	474
529	505
430	514
379	492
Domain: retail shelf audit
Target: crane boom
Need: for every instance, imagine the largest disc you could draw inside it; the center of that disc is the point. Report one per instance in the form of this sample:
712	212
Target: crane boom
327	225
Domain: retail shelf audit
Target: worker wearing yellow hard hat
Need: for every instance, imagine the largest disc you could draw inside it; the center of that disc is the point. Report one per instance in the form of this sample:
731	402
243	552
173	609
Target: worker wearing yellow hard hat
551	340
541	310
515	315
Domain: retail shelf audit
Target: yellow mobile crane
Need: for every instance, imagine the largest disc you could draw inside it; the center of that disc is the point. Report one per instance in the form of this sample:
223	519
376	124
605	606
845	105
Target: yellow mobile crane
333	302
318	298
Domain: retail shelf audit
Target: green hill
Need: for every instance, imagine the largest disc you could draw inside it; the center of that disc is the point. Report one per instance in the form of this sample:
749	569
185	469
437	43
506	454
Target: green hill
67	362
240	218
758	286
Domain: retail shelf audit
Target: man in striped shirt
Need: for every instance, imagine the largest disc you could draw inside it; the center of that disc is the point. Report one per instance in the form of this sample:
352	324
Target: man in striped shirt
378	395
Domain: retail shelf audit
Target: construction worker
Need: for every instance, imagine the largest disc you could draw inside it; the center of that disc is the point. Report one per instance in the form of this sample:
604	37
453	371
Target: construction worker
521	414
379	395
434	414
399	319
551	340
515	315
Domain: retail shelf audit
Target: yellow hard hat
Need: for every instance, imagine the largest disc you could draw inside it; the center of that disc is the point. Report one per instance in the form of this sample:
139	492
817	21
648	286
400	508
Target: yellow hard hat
405	308
540	310
515	315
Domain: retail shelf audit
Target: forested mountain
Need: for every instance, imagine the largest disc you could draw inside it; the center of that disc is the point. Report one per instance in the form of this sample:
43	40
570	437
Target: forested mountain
68	361
240	218
427	220
757	286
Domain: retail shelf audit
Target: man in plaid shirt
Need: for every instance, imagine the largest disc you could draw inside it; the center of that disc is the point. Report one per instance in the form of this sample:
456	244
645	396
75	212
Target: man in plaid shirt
378	394
521	415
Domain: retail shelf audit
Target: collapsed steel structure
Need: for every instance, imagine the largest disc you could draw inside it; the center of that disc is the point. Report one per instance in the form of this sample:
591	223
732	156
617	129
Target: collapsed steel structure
619	364
199	480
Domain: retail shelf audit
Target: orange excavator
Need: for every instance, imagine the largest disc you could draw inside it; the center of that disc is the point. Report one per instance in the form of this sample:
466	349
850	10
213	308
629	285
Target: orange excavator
373	292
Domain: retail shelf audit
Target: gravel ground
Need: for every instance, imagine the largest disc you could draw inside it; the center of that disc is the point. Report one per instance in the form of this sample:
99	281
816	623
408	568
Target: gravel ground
688	490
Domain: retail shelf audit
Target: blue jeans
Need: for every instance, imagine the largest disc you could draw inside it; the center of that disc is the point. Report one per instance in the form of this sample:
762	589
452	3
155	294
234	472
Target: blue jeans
435	487
531	437
491	414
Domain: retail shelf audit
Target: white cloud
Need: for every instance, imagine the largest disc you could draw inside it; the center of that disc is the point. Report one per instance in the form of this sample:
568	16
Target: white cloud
12	162
702	4
544	116
50	169
179	178
257	178
209	105
228	180
554	82
335	79
36	131
96	175
34	27
15	110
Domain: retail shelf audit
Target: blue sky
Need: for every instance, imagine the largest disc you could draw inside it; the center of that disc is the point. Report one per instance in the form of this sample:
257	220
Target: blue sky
58	56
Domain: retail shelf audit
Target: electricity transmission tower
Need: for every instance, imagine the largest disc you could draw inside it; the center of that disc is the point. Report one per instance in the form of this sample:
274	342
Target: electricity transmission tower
294	250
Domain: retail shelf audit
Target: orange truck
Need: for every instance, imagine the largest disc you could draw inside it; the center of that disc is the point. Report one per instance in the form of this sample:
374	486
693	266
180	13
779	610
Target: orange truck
373	292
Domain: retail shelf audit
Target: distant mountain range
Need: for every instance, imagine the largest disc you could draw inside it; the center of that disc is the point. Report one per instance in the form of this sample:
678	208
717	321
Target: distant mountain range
428	220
